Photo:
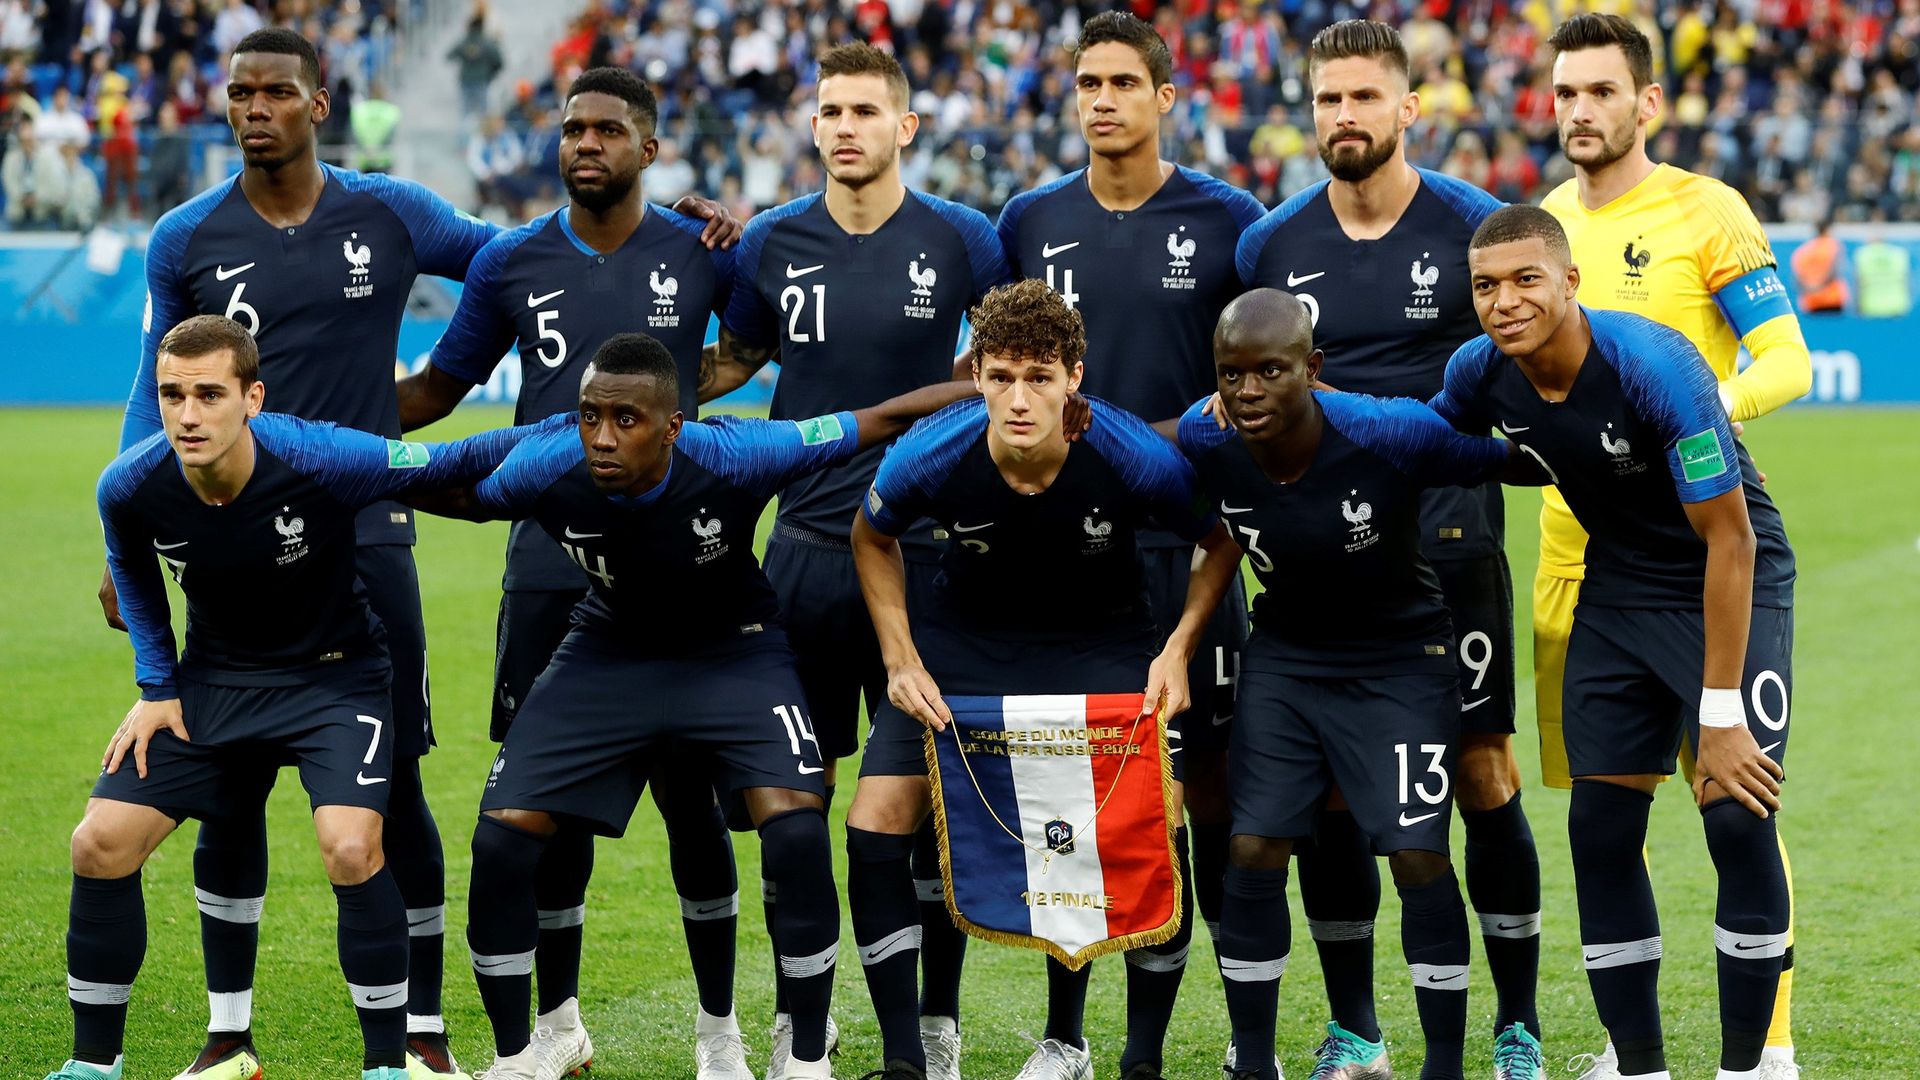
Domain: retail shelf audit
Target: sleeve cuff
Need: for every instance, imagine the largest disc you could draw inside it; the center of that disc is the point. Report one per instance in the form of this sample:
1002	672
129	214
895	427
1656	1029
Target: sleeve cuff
165	691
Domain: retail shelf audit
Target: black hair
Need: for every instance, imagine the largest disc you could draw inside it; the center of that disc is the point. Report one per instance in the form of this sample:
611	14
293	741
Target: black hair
639	354
625	85
1128	29
1511	224
281	41
1359	37
1597	31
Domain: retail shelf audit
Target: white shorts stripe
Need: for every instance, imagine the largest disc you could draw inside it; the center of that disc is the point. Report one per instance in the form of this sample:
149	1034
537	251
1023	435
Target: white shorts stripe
562	918
1620	953
1148	960
893	944
725	907
504	964
1439	976
930	890
1340	929
1510	926
243	909
1749	946
426	921
1247	971
391	996
806	967
93	993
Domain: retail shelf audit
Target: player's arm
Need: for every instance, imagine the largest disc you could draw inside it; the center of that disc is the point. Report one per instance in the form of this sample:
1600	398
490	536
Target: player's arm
1729	757
883	581
477	339
136	579
511	491
359	468
428	395
1216	559
881	423
723	229
728	364
1740	271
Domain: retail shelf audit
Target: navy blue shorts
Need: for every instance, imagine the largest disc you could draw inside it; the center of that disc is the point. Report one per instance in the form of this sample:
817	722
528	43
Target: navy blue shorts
600	718
532	624
1388	742
1479	596
334	729
964	663
393	592
1632	687
1215	668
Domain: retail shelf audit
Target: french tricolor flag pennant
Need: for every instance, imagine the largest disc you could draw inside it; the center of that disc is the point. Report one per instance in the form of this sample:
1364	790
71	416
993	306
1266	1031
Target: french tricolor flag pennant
1055	817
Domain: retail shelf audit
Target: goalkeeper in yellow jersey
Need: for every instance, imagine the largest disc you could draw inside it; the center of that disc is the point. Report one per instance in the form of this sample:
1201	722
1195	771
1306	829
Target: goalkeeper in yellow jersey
1680	249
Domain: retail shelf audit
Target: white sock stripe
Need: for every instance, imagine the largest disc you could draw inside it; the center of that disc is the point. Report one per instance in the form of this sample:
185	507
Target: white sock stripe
1439	976
1620	953
503	964
418	1024
1340	929
390	996
930	890
426	921
769	892
725	907
1510	926
907	937
93	993
241	909
1247	971
806	967
230	1011
1749	946
1148	960
561	918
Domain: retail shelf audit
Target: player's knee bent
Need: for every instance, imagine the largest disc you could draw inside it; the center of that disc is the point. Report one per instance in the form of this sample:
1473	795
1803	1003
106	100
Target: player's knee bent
1259	852
766	803
1489	777
895	805
1412	869
352	853
537	822
102	851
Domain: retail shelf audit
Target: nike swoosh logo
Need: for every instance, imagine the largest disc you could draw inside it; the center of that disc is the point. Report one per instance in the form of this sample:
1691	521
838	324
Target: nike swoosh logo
809	770
1740	947
710	910
366	781
972	528
1406	821
158	546
422	922
383	997
571	535
536	301
1470	706
1048	251
1513	430
222	273
1604	955
1504	926
1437	979
1225	509
802	272
1292	281
495	964
1770	747
1218	720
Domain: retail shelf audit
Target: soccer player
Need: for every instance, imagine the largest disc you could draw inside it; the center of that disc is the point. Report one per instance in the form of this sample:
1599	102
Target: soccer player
677	641
1348	677
1685	251
1143	250
254	517
1012	494
1378	254
559	287
859	290
1685	615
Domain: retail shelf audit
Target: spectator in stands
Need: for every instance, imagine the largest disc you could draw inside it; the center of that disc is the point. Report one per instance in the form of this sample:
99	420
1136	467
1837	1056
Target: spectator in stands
235	21
184	88
119	149
1817	266
149	28
1468	161
1884	273
1805	204
19	31
494	156
81	209
1513	177
375	121
671	175
33	179
60	123
478	55
170	159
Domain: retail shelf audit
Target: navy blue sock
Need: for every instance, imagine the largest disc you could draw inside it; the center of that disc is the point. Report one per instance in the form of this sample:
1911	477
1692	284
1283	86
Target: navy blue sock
502	927
943	948
1749	926
230	886
1153	978
701	854
373	956
1255	938
769	897
1619	926
1210	871
106	941
1340	890
560	905
1433	934
419	865
886	927
798	858
1066	1001
1503	879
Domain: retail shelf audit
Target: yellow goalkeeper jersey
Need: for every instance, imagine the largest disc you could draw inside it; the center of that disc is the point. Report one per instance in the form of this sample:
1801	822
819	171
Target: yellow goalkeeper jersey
1684	250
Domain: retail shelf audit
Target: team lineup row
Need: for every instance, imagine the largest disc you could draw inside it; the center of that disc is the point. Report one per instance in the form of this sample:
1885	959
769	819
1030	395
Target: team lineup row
1402	607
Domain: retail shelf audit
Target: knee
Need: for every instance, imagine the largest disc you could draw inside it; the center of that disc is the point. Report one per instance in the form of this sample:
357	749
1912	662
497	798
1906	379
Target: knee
764	804
1412	869
1259	852
795	842
351	854
1489	776
889	804
102	852
535	822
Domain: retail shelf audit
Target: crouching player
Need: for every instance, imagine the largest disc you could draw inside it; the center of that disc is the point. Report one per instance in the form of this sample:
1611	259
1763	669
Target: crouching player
1686	615
678	639
254	517
1348	678
1056	522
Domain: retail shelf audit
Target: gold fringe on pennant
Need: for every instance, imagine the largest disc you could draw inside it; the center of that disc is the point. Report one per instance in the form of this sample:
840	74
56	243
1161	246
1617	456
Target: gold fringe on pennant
1076	960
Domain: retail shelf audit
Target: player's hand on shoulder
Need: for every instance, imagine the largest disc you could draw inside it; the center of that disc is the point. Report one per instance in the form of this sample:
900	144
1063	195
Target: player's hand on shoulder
1216	409
1731	759
1167	675
723	229
110	602
913	691
1077	417
145	720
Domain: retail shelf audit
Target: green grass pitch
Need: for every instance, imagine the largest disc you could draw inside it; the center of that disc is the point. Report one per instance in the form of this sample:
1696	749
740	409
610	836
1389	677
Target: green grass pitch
1838	476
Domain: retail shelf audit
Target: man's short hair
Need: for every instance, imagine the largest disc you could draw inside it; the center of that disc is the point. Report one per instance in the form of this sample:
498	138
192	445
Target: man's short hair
1511	224
1362	38
204	335
284	42
1596	31
1128	29
1027	321
618	82
639	354
860	58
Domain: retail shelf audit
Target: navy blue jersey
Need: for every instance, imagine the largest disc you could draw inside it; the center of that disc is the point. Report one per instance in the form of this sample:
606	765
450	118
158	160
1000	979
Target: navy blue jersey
1388	313
1038	565
1338	551
323	299
269	578
1641	431
671	570
1149	283
542	289
858	319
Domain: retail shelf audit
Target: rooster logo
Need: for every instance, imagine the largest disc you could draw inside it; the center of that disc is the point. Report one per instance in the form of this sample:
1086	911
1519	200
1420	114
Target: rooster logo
923	280
1423	280
289	530
1181	250
1636	260
1617	447
1098	530
358	256
664	289
708	531
1357	516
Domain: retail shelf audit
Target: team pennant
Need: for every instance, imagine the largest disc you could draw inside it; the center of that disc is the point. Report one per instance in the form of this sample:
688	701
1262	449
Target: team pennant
1055	817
